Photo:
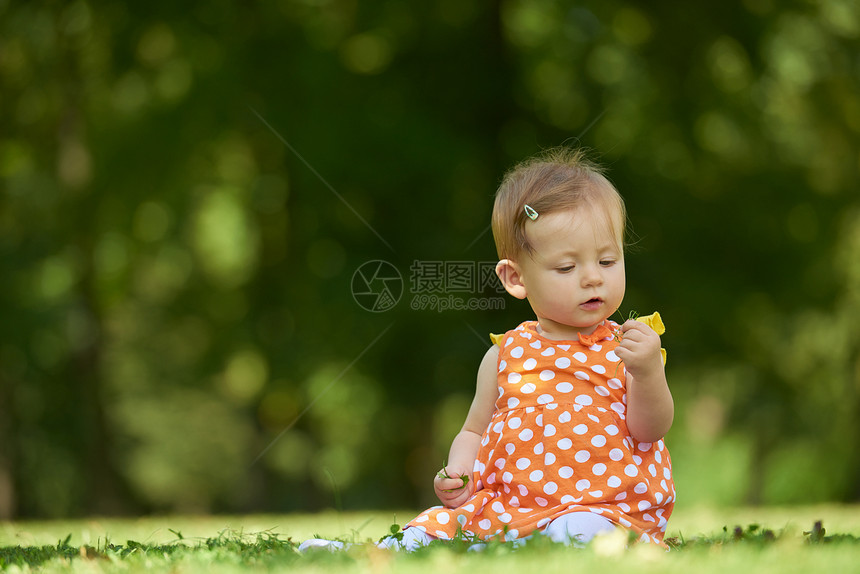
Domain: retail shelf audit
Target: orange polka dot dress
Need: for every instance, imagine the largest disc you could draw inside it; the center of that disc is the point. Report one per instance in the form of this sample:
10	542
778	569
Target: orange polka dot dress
558	443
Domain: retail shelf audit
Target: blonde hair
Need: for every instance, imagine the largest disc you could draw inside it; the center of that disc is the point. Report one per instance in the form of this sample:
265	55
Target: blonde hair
556	180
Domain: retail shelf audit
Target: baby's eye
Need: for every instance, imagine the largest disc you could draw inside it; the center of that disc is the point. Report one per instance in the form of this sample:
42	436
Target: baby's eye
607	262
565	269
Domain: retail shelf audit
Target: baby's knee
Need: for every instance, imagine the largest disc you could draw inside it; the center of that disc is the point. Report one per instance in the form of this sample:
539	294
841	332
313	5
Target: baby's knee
577	527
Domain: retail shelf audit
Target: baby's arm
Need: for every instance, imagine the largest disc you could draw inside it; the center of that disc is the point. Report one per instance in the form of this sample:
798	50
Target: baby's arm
650	408
464	448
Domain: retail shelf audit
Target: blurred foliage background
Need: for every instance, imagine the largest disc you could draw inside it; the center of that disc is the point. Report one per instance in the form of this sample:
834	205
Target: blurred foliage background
188	189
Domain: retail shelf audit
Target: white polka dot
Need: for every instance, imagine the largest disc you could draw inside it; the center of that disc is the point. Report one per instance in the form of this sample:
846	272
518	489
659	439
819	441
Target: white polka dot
582	376
502	365
610	356
564	347
539	448
583	400
523	490
535	344
491	479
564	387
497	507
508	341
565	472
510	448
461	520
582	484
644	505
515	423
611	430
581	357
617	407
513	402
598	440
582	456
536	476
624	522
500	463
548	352
565	444
658	496
523	463
442	534
505	517
443	518
599	369
497	428
514	378
653	470
528	388
549	459
580	429
507	477
599	469
517	352
613	482
545	399
592	417
658	457
637	459
562	362
664	486
541	501
596	493
602	391
640	488
644	446
539	420
547	375
631	470
667	474
530	364
526	434
564	417
422	518
549	430
614	384
550	488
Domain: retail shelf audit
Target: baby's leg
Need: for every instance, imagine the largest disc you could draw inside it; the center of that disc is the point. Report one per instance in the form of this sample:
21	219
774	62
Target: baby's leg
413	538
577	527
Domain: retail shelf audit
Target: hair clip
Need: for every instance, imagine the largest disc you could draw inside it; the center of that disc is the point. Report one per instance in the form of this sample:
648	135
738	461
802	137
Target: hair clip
531	212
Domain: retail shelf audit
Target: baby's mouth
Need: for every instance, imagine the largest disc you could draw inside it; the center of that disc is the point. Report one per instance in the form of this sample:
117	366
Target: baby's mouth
592	303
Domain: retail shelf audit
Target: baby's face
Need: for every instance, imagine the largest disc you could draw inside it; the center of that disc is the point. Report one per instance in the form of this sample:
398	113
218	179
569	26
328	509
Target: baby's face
574	278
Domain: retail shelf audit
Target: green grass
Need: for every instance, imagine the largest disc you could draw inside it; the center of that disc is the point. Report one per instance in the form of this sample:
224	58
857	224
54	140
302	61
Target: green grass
761	540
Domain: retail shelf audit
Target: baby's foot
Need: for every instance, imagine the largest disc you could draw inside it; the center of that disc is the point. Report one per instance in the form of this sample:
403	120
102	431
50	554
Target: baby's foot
321	544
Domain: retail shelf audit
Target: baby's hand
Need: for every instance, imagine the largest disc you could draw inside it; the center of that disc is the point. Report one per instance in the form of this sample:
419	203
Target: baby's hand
453	486
640	349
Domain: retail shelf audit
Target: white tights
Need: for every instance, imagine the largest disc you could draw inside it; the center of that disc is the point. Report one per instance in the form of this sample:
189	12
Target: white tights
576	528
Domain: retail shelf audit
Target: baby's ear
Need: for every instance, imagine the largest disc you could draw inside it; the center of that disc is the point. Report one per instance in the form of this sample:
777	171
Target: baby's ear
510	276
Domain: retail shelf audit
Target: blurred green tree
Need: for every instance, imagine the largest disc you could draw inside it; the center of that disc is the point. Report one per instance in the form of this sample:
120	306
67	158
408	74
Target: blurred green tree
187	192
